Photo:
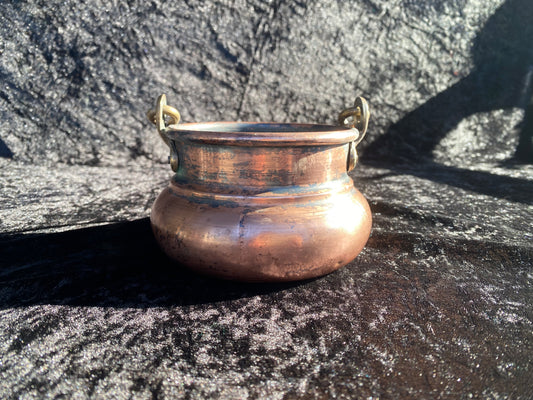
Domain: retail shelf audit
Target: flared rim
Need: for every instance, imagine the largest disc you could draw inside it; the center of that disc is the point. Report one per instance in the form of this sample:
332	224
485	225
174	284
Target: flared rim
261	133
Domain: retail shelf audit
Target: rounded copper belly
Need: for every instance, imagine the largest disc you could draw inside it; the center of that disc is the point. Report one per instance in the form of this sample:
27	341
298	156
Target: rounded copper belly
263	238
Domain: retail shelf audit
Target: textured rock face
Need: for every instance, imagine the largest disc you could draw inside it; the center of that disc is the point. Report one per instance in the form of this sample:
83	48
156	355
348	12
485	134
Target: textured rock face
78	78
438	305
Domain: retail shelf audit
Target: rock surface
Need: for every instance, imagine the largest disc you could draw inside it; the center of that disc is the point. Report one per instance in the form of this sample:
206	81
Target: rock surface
78	78
438	305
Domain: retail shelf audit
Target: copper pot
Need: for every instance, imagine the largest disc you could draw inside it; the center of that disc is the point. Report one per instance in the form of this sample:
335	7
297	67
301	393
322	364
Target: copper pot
261	201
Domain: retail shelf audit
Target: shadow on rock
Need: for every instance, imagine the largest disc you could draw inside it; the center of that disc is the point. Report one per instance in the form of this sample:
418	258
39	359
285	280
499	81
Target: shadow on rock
502	78
509	188
118	265
5	151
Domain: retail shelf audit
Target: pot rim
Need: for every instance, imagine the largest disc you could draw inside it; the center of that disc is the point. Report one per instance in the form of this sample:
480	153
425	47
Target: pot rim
237	133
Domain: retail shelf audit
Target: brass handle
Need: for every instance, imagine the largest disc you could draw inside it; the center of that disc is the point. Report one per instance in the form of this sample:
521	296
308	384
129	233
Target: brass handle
157	117
359	114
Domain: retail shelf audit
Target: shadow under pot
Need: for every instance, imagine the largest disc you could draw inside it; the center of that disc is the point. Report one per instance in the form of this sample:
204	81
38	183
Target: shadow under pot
261	202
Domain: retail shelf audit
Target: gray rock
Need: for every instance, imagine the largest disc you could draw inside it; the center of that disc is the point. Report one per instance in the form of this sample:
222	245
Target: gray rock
78	78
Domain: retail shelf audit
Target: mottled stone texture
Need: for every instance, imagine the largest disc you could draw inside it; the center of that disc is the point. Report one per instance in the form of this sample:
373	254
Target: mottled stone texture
438	305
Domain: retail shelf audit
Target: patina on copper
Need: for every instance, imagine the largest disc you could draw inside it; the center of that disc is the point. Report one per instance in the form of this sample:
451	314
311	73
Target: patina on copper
261	201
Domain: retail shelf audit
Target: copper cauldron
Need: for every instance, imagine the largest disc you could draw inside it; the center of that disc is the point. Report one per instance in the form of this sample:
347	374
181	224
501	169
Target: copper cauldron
261	201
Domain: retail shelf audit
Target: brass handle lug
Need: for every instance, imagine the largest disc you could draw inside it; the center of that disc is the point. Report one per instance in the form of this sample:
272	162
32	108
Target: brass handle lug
157	117
359	115
173	158
352	157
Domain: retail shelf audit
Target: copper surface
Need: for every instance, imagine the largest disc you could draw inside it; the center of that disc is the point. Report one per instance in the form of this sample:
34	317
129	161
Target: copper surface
261	201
